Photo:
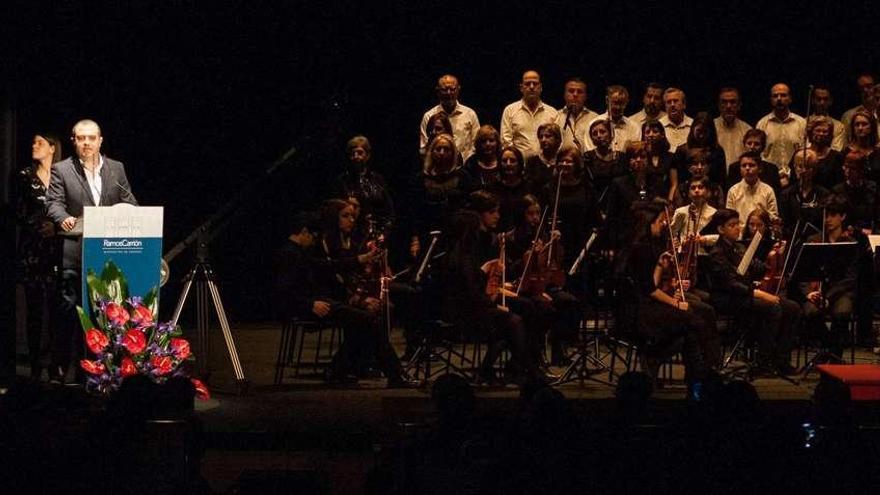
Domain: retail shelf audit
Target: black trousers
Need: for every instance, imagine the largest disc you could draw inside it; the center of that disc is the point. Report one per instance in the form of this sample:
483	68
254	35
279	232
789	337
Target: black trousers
666	330
840	310
39	301
363	335
707	330
68	342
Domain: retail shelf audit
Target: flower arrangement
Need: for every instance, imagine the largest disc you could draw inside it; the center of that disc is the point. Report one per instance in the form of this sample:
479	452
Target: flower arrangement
127	340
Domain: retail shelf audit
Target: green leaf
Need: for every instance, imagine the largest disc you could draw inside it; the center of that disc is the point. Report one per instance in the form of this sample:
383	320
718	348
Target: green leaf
97	288
84	319
151	301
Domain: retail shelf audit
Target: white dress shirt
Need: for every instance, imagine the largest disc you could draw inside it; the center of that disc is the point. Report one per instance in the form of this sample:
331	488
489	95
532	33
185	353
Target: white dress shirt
682	225
745	198
519	125
465	125
95	182
784	137
580	127
641	117
676	134
731	138
624	130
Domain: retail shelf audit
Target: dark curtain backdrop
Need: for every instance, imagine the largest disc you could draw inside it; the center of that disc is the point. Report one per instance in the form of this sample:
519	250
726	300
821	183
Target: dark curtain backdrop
197	98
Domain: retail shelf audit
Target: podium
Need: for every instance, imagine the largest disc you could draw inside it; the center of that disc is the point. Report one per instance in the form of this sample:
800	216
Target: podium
128	235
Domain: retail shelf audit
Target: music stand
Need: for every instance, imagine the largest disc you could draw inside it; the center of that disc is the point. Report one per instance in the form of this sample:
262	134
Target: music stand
823	261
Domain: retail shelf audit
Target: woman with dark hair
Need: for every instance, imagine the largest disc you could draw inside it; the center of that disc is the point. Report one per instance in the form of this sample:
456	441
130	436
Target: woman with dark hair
466	301
527	253
353	299
625	191
512	186
437	124
577	211
359	181
603	164
660	174
439	189
703	135
697	161
38	249
663	320
538	167
482	166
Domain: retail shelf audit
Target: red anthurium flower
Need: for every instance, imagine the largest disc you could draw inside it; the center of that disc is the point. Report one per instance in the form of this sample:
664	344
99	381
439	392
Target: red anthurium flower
201	390
127	367
180	348
96	340
116	314
161	364
135	341
141	315
93	367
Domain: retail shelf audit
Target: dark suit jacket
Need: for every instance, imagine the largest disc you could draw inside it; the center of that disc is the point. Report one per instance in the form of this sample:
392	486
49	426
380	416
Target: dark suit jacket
69	192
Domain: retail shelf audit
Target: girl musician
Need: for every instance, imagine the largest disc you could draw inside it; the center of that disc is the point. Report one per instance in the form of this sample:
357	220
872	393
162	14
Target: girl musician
349	267
665	321
836	296
466	302
528	262
773	317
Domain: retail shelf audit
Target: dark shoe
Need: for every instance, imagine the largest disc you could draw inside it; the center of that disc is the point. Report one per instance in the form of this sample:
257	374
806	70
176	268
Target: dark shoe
336	378
786	370
56	375
487	377
402	381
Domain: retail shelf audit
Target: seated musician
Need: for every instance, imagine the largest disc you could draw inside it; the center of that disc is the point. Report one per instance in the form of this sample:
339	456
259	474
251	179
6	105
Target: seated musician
321	283
836	296
664	319
541	281
698	168
774	318
689	220
751	192
759	221
473	299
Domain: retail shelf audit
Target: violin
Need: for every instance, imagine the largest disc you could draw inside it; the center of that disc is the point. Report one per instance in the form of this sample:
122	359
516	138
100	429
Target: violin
669	278
496	278
539	271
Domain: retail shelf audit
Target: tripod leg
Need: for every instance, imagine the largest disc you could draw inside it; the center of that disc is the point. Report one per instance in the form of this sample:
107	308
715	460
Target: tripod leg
180	302
227	333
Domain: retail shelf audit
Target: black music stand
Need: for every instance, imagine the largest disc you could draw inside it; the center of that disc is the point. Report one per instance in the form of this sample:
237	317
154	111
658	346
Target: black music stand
823	261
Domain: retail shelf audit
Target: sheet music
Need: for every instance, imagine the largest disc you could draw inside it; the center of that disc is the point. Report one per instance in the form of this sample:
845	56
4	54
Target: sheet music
749	254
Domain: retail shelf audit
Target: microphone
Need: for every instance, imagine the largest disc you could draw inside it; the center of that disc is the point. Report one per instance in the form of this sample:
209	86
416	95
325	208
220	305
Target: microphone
126	190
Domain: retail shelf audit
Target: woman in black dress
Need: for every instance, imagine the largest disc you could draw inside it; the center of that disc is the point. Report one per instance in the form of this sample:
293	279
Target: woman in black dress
38	248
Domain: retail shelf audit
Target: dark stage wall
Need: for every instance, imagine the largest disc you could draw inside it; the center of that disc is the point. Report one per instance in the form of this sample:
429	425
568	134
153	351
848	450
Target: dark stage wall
198	97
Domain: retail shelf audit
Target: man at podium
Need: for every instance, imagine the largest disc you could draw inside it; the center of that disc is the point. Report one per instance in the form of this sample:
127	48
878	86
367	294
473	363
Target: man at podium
85	179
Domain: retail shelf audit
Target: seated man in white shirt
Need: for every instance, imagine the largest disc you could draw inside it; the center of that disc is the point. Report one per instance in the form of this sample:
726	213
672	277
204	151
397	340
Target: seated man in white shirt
574	118
465	123
820	104
625	130
676	123
785	130
750	192
652	105
730	129
520	119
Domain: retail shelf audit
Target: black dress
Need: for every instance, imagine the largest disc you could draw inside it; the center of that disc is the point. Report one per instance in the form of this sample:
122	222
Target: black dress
37	257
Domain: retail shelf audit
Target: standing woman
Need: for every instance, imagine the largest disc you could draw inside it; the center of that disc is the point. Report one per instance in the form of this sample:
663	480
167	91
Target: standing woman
512	187
37	246
863	129
483	166
704	136
603	164
660	174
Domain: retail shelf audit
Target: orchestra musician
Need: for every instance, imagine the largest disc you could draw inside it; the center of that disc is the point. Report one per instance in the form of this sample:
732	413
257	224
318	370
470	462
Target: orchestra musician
834	297
665	321
540	283
774	318
329	283
471	267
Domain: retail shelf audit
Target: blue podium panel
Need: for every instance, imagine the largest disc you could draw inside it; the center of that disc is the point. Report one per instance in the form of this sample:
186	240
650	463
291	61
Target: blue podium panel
129	236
